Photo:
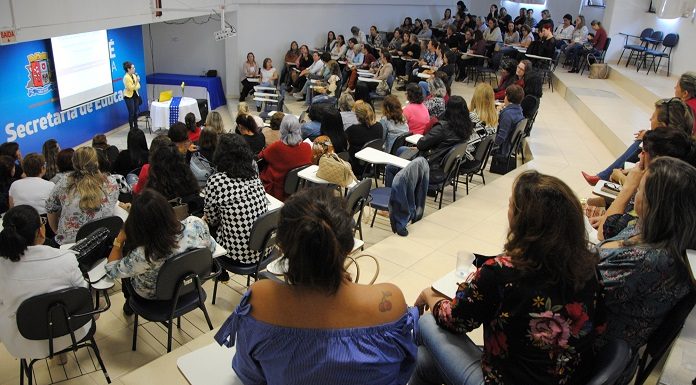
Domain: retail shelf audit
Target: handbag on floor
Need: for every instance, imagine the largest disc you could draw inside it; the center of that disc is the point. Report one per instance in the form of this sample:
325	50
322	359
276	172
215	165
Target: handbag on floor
501	164
597	70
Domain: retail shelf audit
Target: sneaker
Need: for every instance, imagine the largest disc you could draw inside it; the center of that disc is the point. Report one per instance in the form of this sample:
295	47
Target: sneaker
402	232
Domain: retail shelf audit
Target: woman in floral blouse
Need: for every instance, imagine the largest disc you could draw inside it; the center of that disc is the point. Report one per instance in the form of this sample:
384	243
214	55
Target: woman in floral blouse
150	236
537	301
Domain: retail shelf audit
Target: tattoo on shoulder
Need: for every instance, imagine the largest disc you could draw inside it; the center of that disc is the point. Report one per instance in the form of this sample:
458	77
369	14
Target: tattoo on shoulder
385	304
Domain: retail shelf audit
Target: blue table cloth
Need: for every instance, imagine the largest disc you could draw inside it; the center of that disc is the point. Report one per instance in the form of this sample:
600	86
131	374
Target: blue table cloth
212	84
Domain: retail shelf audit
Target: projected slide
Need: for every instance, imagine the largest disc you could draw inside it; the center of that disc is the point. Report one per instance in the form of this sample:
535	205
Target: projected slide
83	70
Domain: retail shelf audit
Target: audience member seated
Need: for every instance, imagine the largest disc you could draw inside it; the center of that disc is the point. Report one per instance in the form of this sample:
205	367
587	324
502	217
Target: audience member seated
291	56
537	302
332	126
482	110
27	269
358	35
686	91
312	128
32	190
417	115
194	130
326	92
157	142
151	235
214	122
668	112
527	37
644	268
312	72
564	32
178	133
345	105
374	40
338	52
435	102
545	46
63	163
50	150
250	70
445	21
546	20
247	128
135	155
303	62
503	18
272	132
478	47
530	21
407	25
284	155
395	42
510	73
202	165
99	142
234	198
320	326
84	195
330	41
579	34
393	121
454	128
385	70
520	20
11	149
321	146
417	26
596	44
170	176
7	177
359	134
124	188
666	141
269	77
492	34
510	115
511	35
243	109
207	144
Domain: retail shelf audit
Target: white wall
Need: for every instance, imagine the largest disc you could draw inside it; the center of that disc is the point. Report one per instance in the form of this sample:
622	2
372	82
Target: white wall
184	47
631	16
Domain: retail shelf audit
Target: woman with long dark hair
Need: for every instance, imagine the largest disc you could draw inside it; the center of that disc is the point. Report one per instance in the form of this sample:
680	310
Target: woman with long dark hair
234	198
11	149
332	126
172	177
7	176
320	327
135	156
537	301
50	150
330	41
150	236
247	128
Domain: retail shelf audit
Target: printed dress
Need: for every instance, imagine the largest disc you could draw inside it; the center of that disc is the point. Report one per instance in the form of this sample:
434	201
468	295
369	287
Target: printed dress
532	334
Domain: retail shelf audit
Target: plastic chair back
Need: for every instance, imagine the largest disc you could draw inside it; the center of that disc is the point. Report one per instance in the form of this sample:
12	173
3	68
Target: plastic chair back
54	314
517	136
178	269
377	144
112	223
646	33
609	363
657	36
399	141
292	181
263	231
357	196
670	40
530	105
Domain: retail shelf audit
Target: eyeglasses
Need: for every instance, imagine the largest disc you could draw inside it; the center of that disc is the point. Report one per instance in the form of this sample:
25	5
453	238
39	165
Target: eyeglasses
666	104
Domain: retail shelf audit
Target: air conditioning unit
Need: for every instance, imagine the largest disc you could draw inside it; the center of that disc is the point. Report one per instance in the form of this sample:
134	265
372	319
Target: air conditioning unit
672	9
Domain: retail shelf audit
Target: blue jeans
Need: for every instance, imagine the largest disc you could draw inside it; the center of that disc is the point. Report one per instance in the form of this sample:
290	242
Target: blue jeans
619	162
132	105
444	357
424	86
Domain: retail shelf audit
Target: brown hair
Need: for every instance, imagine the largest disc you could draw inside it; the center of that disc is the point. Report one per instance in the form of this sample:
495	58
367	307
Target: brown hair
391	107
33	164
514	94
315	233
547	239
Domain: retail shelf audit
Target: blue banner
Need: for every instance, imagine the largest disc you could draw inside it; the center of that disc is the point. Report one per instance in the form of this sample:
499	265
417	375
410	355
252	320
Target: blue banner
30	111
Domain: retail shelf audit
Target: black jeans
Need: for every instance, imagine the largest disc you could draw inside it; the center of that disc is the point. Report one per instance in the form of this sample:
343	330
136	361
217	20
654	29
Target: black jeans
247	86
132	104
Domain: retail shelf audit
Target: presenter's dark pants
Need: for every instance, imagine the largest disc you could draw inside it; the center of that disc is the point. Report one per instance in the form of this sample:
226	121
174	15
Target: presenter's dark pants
132	104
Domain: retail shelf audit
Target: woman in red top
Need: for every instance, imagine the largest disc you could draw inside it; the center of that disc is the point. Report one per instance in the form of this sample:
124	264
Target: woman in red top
284	155
194	131
686	91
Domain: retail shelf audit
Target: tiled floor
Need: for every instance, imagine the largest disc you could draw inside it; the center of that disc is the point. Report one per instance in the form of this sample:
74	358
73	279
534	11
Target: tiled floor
562	146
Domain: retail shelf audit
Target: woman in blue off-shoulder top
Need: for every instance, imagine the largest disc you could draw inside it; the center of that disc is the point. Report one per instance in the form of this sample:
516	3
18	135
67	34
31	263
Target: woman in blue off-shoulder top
320	328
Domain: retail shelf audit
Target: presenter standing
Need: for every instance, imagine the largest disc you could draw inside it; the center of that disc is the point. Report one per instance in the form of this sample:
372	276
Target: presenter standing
131	82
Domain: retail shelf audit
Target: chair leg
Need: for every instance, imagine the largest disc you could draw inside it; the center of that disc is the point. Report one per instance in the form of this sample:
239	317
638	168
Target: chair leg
169	335
135	331
374	215
22	363
360	229
215	290
178	322
99	359
207	317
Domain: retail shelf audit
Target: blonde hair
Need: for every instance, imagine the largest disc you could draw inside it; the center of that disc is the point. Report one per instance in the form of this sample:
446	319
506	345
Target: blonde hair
483	103
214	122
243	108
364	113
86	180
